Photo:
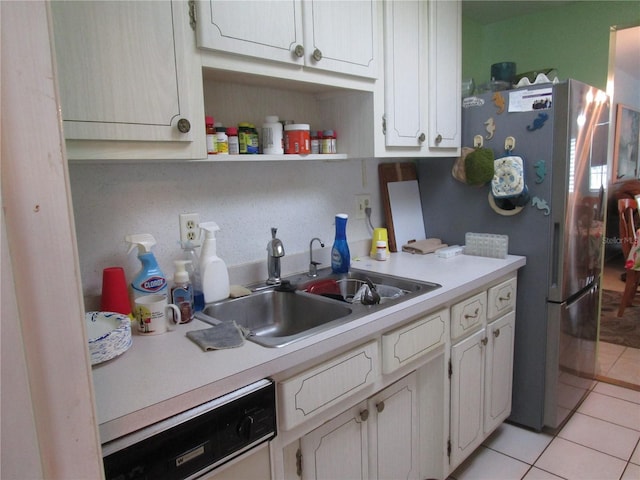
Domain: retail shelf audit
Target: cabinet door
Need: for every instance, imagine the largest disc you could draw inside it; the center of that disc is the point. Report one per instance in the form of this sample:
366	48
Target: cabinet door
266	30
341	36
499	371
422	55
445	70
339	448
467	387
405	71
332	36
394	439
125	74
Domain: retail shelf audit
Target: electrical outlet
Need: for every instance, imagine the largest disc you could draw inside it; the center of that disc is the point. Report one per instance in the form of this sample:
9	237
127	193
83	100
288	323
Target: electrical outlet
362	201
189	229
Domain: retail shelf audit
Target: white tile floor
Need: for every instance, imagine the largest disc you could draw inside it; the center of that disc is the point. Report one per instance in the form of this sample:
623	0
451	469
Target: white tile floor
619	363
599	442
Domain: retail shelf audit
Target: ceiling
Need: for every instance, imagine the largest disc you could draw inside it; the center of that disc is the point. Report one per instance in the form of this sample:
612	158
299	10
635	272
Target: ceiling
486	12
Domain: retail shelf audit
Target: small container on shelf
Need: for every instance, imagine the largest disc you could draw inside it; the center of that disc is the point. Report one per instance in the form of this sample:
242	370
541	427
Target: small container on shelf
328	142
315	142
234	145
272	141
212	147
297	139
222	140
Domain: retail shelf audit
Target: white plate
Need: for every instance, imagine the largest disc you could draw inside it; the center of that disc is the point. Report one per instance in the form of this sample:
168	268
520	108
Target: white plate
109	335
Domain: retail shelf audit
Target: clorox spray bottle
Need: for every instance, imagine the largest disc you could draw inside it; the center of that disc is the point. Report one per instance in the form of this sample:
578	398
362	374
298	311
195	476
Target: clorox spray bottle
150	278
213	271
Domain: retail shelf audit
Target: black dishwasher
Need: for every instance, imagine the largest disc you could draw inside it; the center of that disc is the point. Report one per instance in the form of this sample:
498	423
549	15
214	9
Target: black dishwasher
195	442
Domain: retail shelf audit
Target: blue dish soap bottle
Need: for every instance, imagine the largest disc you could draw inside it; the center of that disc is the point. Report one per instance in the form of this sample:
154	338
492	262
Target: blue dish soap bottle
340	256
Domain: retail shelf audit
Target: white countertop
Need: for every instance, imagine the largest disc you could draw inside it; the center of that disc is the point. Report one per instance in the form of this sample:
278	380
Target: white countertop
160	376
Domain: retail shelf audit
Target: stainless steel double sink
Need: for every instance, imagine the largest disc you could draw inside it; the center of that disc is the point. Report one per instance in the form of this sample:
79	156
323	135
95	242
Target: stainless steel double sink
303	306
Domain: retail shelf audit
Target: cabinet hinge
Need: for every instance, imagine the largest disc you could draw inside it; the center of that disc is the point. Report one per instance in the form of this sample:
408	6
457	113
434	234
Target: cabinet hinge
192	14
299	462
450	369
384	124
449	448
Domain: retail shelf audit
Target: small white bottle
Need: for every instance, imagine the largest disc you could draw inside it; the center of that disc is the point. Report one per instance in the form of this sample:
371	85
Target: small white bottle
381	250
272	142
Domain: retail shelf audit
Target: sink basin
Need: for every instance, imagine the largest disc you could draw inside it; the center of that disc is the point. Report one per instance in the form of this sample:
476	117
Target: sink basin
275	319
346	285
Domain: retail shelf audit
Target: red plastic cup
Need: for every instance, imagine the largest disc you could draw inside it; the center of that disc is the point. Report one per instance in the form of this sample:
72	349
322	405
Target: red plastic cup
115	297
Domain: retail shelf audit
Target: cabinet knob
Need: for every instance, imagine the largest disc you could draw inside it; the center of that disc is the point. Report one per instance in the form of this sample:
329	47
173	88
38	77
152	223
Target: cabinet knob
380	407
438	138
364	415
484	341
184	125
299	51
317	55
422	138
496	332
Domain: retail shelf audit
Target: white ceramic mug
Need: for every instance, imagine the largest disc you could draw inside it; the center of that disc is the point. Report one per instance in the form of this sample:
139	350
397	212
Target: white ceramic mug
152	314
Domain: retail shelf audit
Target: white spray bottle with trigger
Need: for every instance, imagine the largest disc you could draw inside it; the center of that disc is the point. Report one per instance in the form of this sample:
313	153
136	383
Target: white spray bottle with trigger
213	271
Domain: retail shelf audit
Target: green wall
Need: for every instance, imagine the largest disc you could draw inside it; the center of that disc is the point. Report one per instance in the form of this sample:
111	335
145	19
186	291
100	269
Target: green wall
574	39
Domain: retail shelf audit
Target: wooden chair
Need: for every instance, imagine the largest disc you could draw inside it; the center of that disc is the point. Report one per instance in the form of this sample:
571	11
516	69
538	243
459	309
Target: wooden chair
627	210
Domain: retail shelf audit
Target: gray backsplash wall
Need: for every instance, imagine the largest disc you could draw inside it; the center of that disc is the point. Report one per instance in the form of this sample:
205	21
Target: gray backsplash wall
245	199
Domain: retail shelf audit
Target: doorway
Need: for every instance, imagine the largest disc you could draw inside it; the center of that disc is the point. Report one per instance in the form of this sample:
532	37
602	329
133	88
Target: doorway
618	353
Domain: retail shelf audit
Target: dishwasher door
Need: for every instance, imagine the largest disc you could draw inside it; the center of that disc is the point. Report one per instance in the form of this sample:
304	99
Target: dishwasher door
197	441
254	465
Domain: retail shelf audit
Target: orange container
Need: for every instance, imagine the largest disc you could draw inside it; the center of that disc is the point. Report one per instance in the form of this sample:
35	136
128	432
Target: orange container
297	139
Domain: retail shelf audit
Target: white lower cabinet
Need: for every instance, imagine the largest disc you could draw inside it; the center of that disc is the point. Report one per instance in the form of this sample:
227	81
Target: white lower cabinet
499	371
481	376
467	385
376	439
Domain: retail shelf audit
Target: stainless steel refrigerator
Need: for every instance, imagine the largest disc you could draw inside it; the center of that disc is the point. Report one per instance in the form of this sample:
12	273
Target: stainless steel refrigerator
561	133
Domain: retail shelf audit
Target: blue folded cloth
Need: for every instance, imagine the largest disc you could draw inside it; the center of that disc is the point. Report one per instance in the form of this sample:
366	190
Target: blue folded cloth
223	335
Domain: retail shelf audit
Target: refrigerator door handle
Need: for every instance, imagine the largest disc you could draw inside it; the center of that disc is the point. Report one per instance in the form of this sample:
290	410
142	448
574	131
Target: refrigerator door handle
555	255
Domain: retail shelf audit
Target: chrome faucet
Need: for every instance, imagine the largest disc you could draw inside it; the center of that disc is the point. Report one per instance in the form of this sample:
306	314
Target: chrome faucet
275	250
313	266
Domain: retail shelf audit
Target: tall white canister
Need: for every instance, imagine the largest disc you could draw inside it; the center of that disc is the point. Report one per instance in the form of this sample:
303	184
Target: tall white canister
272	143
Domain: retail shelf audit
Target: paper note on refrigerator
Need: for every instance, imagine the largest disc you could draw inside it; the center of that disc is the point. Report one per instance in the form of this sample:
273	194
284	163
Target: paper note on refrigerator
530	100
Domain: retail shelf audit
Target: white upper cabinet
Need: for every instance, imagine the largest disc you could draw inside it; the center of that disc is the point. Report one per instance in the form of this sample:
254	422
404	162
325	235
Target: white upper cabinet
337	37
420	111
129	87
445	72
405	69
